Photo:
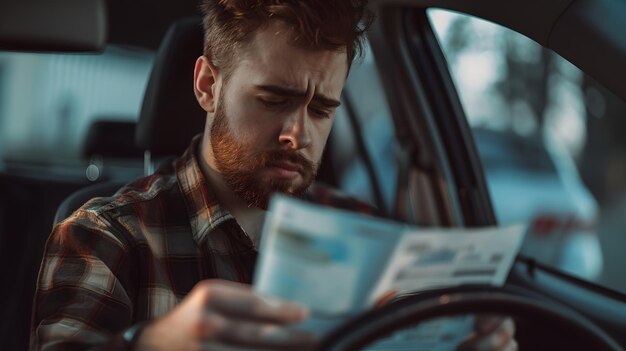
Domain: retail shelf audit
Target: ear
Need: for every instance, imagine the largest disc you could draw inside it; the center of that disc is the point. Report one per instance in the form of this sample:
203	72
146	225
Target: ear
206	78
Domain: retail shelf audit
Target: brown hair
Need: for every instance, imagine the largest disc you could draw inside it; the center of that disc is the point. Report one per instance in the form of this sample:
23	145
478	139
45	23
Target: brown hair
315	24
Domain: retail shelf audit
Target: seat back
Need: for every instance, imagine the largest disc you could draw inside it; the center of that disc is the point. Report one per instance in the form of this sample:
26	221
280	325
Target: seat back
170	115
111	139
105	139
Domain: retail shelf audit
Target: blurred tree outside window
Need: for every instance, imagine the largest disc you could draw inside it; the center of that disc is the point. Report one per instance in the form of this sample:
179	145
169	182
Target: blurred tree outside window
549	139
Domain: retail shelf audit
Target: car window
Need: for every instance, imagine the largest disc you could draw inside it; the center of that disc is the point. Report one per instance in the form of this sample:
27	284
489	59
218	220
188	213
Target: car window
364	100
48	101
544	134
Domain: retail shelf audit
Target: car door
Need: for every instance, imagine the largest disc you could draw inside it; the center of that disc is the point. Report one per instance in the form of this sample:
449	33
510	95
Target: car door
440	176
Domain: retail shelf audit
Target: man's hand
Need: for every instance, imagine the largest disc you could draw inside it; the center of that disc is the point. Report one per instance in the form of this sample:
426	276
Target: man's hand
491	333
222	315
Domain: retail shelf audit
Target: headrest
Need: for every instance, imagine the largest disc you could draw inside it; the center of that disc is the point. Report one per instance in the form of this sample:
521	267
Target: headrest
53	26
115	139
170	115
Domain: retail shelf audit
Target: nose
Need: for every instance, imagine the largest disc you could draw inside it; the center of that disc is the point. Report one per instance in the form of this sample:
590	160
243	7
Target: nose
295	133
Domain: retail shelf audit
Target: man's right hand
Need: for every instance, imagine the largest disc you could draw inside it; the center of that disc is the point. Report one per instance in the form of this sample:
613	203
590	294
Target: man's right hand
222	315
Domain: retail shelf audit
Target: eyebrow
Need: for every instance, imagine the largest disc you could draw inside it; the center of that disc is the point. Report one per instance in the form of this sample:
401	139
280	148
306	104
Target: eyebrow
283	91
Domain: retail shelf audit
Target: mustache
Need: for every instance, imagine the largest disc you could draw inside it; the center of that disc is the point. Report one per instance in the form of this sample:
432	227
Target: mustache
276	157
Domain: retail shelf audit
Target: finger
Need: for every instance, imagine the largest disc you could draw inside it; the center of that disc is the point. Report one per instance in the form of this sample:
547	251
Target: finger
216	346
265	336
511	346
468	344
487	323
507	328
499	338
252	334
239	301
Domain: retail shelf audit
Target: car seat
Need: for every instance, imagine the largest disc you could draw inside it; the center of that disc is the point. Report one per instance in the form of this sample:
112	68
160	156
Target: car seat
170	115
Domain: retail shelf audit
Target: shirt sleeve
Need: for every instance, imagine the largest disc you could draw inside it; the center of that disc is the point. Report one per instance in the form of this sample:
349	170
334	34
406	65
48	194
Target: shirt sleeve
83	300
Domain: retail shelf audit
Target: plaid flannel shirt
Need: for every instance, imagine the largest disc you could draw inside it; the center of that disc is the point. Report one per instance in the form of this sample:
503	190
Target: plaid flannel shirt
132	257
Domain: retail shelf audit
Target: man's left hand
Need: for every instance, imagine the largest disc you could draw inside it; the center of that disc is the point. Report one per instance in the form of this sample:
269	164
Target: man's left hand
491	333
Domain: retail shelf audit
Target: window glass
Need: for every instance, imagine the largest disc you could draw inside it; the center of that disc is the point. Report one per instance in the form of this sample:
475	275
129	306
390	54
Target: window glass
53	98
364	92
548	139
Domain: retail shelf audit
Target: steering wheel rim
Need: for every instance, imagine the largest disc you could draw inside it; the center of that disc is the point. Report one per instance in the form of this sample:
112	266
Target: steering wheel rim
410	310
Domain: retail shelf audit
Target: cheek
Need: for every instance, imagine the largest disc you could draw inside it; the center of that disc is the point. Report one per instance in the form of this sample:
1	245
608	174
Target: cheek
260	136
244	123
322	133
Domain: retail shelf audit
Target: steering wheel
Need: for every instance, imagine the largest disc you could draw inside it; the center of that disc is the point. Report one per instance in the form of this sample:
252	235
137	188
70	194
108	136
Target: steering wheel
410	310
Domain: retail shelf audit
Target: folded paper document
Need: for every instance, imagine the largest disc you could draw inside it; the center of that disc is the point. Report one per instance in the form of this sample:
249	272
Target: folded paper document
340	263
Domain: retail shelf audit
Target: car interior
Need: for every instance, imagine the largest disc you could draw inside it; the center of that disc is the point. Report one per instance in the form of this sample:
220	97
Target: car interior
438	180
156	138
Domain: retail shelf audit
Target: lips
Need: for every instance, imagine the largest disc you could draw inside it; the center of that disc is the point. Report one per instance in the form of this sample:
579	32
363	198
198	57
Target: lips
289	166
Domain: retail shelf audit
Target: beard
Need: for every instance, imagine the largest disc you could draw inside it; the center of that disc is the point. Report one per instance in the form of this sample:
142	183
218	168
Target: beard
241	165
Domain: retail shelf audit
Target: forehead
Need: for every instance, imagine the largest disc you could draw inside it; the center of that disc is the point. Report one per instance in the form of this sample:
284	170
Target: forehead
272	57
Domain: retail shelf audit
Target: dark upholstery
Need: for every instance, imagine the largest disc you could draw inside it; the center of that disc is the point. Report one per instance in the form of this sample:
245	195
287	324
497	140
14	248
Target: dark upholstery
111	139
108	139
170	115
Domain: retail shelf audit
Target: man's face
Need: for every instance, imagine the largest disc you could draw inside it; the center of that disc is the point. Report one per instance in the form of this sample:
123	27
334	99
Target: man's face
274	114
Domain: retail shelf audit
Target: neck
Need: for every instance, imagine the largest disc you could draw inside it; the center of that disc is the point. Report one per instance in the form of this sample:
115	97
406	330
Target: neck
249	218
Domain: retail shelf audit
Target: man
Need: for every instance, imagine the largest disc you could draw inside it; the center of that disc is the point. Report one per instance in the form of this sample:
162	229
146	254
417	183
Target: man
163	264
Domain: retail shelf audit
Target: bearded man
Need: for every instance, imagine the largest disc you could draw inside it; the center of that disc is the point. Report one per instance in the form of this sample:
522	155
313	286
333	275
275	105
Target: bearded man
165	263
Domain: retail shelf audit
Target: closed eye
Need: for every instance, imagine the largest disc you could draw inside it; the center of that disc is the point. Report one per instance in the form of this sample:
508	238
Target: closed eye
272	102
320	113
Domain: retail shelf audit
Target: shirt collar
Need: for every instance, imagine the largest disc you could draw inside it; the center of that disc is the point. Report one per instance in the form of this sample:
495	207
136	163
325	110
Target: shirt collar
204	210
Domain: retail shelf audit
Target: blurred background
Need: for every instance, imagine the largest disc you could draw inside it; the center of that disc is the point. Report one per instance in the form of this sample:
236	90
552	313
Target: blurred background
550	138
551	141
